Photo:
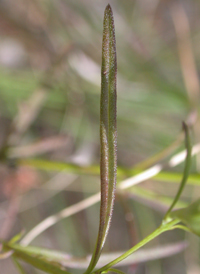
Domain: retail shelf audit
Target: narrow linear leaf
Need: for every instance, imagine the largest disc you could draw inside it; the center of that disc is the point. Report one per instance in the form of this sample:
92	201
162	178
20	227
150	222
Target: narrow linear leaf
51	266
172	177
185	172
108	132
44	164
42	253
48	267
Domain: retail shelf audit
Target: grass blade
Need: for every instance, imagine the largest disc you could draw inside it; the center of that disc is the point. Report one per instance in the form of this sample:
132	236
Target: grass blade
108	133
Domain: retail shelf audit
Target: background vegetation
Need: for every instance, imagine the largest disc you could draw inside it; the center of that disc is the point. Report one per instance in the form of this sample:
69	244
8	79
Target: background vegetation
50	58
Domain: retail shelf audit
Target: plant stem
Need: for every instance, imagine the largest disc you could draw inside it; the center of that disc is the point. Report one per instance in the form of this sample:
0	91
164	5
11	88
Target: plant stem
162	228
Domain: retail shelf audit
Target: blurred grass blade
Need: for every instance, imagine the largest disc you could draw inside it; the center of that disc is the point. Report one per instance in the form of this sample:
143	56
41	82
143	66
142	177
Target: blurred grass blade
44	164
185	172
42	264
108	132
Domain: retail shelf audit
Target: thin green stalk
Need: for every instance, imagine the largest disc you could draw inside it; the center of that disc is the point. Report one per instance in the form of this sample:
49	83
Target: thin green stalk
185	172
157	232
108	133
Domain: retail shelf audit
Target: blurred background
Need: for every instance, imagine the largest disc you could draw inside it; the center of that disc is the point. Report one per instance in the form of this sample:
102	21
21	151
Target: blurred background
50	65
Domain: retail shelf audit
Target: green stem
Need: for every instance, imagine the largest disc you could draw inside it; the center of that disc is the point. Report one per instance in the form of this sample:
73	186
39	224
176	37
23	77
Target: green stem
157	232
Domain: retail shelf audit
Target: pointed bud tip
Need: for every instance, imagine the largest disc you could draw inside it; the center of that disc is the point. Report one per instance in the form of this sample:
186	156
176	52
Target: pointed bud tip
108	8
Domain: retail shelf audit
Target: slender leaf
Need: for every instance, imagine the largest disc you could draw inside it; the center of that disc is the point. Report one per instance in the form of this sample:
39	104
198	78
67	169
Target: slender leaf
172	177
44	265
49	266
108	132
44	164
185	172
